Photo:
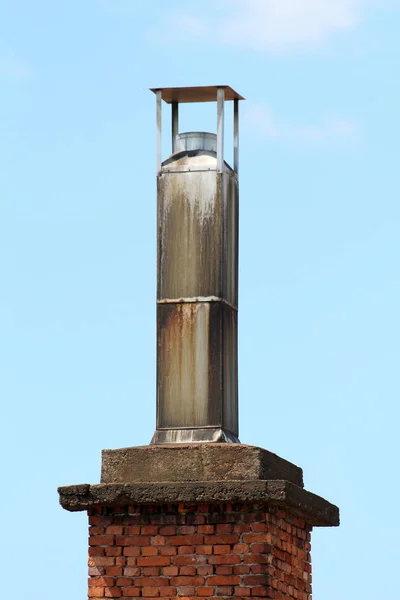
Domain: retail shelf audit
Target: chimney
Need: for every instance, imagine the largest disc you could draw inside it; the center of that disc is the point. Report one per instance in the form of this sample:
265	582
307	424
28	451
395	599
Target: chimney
197	514
197	277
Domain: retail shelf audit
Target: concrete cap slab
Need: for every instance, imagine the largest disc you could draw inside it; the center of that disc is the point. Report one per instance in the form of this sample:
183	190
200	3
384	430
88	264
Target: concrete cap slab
314	509
195	462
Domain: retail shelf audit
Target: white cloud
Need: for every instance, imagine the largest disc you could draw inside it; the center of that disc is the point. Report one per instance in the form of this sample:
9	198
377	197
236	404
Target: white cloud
261	121
270	25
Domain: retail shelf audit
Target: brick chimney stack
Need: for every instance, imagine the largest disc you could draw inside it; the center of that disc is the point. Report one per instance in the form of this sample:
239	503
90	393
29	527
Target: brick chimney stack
196	514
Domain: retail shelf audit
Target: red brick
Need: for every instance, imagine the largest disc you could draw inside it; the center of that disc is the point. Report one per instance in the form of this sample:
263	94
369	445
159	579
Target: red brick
187	570
255	579
222	538
150	551
187	529
252	538
259	527
204	549
224	580
168	592
149	530
96	592
167	530
101	561
242	592
224	559
187	592
132	540
170	571
241	548
100	581
131	571
206	529
260	569
186	540
132	592
260	548
153	561
97	530
263	592
255	558
185	560
96	551
114	530
158	540
151	571
124	581
150	592
113	571
205	570
223	570
205	591
241	569
151	581
222	549
131	530
194	581
101	540
224	527
131	551
120	561
113	551
242	528
224	591
103	521
168	551
186	550
96	571
198	519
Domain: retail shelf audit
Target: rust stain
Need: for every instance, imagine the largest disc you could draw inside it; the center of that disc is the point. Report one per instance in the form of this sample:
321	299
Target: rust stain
184	346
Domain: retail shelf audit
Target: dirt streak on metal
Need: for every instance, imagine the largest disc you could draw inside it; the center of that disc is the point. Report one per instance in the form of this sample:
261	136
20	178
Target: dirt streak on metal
189	235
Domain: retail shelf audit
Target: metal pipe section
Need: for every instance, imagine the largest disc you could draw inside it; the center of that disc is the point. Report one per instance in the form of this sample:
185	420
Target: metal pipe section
197	285
196	140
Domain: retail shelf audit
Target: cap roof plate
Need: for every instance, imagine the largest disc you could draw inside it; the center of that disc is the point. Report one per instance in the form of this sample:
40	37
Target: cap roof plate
206	93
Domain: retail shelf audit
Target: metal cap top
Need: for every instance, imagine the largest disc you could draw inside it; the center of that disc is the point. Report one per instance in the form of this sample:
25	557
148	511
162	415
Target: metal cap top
206	93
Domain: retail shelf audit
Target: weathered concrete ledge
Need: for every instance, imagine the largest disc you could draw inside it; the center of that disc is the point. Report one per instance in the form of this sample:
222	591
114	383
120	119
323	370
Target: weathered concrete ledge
314	509
195	462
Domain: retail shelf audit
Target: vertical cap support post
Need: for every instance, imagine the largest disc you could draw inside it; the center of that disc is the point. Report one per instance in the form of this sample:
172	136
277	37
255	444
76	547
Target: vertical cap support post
220	128
236	136
174	124
159	129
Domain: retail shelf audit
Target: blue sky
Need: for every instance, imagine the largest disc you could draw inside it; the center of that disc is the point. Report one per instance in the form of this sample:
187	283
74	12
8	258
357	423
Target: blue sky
319	263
